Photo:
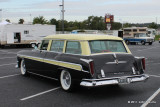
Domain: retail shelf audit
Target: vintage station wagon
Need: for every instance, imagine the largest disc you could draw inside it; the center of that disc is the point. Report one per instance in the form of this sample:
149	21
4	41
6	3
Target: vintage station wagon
86	60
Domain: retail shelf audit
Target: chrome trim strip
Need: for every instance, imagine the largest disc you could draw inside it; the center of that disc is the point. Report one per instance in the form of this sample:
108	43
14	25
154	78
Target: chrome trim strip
86	60
115	77
133	70
139	57
109	81
119	62
109	54
55	61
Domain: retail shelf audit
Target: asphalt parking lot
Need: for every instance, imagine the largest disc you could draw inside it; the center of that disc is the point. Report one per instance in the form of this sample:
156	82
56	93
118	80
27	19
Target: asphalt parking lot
34	91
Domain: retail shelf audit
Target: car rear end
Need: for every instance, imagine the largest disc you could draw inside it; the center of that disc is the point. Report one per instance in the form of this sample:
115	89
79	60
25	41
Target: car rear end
112	63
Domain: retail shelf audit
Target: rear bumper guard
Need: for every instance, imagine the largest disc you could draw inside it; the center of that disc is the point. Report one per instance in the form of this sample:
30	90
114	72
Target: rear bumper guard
114	80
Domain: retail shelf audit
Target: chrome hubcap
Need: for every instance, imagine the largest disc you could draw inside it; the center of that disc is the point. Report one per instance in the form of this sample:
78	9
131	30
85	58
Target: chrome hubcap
23	68
67	79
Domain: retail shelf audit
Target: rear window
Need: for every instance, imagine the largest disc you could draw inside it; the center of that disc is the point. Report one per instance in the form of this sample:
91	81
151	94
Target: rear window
101	46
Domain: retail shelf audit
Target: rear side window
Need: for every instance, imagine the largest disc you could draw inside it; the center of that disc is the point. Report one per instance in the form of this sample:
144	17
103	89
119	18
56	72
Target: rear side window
101	46
73	47
44	45
57	46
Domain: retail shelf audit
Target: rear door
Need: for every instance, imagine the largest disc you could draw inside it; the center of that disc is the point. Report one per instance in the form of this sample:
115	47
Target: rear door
53	56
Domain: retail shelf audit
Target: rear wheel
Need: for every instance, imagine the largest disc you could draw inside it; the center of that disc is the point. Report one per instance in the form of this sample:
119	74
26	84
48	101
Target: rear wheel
150	43
127	42
66	81
23	68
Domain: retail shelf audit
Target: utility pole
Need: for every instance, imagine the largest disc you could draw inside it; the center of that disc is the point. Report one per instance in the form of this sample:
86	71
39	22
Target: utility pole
63	16
1	15
30	18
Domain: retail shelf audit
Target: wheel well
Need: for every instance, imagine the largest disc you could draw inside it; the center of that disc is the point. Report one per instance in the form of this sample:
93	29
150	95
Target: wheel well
59	71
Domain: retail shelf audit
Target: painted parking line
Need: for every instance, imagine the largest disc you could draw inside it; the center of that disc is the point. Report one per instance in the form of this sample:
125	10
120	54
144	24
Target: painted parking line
7	57
8	53
38	94
7	64
154	76
9	76
3	51
152	63
151	98
148	48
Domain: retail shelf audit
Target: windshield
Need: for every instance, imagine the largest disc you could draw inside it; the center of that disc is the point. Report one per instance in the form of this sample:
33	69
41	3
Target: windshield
101	46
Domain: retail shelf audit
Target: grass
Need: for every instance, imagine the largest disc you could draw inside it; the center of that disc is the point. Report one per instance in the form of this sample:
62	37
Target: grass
157	37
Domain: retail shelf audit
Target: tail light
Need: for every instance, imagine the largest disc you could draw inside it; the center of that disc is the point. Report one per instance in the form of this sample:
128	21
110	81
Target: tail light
91	65
143	63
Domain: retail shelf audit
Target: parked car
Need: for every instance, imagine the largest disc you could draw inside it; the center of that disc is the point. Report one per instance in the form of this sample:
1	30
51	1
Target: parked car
86	60
139	38
159	40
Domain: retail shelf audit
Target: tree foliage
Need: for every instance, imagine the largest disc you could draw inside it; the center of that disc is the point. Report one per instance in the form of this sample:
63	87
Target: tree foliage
8	20
116	26
127	25
91	23
21	21
153	25
40	20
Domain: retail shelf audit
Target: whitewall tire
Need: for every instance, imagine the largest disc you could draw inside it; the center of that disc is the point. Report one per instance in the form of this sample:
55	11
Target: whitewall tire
66	81
23	68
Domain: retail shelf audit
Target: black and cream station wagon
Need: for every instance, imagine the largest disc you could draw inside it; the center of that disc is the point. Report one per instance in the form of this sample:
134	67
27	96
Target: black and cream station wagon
83	59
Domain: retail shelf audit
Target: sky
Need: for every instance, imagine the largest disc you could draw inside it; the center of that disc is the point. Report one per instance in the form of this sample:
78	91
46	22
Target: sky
131	11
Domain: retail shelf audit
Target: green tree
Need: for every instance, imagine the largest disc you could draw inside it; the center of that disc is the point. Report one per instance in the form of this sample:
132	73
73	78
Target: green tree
40	20
21	21
95	23
153	25
116	26
53	21
127	25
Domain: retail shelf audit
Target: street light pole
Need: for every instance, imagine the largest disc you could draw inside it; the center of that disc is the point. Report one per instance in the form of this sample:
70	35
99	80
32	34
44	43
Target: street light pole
63	16
1	15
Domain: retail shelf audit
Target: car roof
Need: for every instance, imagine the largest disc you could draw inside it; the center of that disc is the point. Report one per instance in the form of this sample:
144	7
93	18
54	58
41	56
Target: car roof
82	37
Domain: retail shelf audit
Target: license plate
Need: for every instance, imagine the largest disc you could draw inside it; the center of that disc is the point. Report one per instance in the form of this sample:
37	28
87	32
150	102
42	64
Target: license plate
124	80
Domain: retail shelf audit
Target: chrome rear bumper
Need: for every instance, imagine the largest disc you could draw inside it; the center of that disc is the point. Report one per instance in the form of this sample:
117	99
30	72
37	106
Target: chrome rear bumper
114	80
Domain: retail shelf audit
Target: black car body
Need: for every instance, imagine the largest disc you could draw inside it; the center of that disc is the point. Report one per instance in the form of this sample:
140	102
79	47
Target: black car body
87	60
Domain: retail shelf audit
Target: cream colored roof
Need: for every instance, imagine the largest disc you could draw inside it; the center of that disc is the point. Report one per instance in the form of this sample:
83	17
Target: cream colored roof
82	37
